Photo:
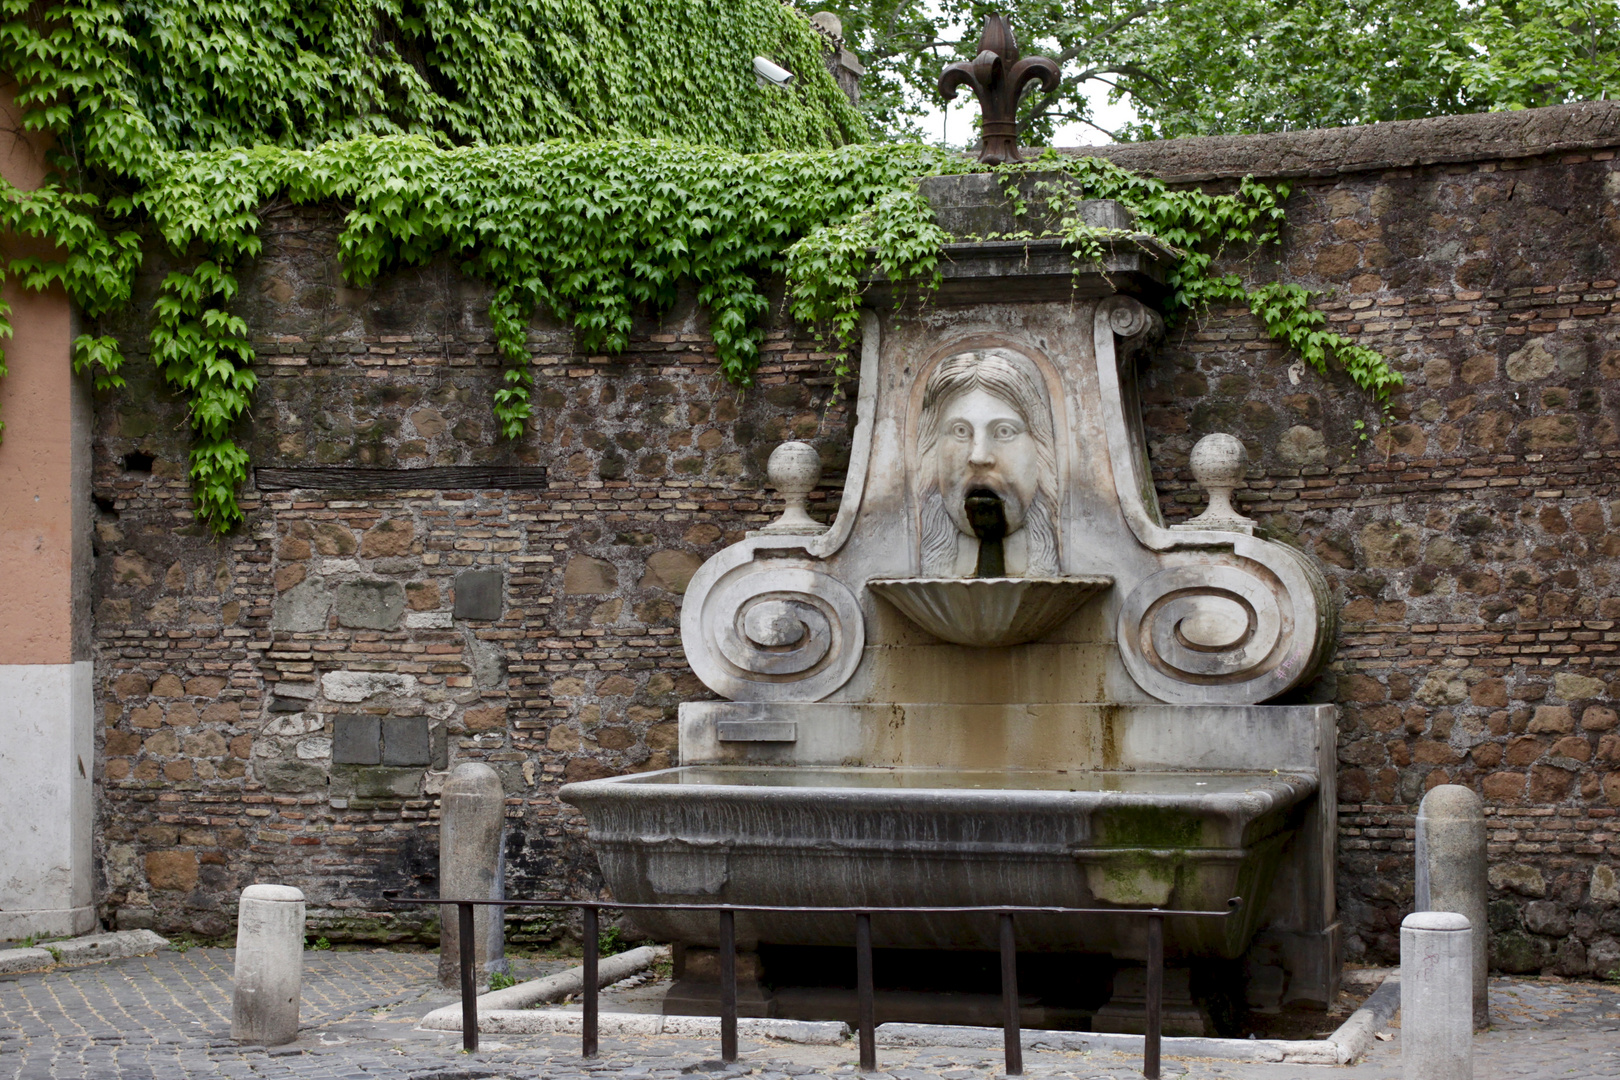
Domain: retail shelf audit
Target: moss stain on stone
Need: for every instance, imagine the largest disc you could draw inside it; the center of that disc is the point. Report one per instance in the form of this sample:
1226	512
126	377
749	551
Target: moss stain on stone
1139	825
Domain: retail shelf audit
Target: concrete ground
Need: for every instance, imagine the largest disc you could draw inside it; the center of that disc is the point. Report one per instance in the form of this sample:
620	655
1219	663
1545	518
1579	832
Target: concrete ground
167	1017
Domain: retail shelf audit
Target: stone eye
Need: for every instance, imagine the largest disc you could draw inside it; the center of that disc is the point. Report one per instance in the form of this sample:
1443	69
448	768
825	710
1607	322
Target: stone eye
1005	431
962	430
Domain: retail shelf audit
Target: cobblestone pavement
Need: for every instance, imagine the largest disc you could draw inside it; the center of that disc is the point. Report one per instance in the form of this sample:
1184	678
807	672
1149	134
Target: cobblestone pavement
167	1017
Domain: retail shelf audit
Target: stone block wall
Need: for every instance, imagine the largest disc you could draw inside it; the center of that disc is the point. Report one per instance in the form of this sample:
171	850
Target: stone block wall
1470	539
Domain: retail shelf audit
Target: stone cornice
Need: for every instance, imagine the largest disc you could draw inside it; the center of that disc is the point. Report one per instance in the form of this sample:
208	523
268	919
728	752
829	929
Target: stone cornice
1591	125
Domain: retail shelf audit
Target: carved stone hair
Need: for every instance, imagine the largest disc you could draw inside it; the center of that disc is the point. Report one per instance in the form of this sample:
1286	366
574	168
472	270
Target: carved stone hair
1014	379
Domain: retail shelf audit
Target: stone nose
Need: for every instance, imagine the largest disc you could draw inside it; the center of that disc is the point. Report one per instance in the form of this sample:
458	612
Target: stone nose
981	453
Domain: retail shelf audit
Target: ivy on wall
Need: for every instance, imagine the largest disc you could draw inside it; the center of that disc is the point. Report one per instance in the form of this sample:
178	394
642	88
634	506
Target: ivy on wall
568	152
825	268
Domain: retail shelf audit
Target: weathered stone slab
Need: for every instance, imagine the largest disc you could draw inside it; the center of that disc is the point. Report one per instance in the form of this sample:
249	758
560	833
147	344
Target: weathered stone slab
93	948
355	686
15	960
479	594
405	741
976	205
357	740
302	608
290	776
387	782
369	605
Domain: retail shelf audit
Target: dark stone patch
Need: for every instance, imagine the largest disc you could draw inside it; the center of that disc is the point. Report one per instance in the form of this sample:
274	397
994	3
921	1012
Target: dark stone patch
405	741
479	594
357	740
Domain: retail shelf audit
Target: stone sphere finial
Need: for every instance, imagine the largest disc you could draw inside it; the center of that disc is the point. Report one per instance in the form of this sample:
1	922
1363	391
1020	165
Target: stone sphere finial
794	469
828	23
1218	463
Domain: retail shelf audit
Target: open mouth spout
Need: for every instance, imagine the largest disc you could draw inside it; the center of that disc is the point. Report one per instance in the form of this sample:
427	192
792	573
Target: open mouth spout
988	517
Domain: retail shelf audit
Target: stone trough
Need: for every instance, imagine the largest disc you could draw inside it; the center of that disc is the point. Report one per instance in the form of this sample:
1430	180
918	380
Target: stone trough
887	837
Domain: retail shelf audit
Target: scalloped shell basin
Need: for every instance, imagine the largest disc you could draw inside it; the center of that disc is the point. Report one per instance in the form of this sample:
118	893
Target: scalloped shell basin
989	612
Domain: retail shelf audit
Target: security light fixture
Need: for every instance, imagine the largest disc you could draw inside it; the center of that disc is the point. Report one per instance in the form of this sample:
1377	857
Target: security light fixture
771	73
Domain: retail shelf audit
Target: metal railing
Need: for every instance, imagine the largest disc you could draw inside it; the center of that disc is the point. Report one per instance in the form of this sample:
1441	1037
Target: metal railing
866	1004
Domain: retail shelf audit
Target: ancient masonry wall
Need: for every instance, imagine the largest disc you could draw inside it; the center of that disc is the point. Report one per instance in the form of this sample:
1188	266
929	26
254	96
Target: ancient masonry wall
279	705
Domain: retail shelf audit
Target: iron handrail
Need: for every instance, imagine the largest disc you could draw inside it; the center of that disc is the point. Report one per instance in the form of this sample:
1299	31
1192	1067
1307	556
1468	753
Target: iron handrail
865	995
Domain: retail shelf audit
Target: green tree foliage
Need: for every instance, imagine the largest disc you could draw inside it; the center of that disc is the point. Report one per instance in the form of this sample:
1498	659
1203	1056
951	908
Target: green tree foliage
1201	67
1545	52
904	45
1216	67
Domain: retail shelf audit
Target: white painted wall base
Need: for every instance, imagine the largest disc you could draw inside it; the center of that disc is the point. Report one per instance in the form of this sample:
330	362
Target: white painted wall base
47	756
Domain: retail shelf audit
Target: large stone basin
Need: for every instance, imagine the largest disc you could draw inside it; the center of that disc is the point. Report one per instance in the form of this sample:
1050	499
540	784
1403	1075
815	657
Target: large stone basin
809	836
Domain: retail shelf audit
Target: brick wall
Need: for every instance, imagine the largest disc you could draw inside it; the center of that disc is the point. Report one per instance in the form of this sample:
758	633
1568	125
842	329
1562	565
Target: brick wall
216	764
1470	541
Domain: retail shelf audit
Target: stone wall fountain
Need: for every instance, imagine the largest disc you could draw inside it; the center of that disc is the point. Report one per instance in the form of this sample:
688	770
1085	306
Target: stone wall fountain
998	677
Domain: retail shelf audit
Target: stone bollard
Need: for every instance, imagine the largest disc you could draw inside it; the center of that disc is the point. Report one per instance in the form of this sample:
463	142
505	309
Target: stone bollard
1437	1029
472	817
269	965
1451	873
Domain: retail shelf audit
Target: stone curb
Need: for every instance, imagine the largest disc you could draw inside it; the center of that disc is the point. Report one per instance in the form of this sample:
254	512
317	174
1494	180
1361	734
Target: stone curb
1356	1033
1343	1047
90	949
551	988
1324	1052
571	1022
14	960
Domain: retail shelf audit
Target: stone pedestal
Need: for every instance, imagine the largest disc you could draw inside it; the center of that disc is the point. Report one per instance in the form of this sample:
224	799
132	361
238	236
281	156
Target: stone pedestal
696	989
1126	1011
1451	874
471	867
269	965
1437	1031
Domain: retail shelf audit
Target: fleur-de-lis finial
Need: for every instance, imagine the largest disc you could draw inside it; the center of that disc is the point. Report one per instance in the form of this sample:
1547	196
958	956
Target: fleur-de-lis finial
997	77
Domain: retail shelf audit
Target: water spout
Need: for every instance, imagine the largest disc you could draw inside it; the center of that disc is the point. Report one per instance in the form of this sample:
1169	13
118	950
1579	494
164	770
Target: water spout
989	520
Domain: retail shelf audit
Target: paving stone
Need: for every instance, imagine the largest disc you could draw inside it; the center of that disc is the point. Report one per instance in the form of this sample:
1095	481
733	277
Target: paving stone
167	1017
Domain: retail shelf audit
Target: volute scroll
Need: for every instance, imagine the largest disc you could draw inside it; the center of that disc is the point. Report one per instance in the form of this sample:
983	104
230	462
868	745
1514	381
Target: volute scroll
1237	631
771	628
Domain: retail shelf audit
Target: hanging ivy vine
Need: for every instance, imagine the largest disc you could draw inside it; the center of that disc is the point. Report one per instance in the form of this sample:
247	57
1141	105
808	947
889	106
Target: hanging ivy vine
565	151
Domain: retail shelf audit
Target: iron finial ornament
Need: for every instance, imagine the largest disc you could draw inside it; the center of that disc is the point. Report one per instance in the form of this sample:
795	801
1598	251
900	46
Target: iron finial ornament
997	77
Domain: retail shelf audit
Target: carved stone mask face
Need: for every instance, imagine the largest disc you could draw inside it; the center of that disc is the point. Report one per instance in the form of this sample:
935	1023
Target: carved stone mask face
984	444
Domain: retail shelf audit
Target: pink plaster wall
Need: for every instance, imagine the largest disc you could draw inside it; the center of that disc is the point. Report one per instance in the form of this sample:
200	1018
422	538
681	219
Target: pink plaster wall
37	454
